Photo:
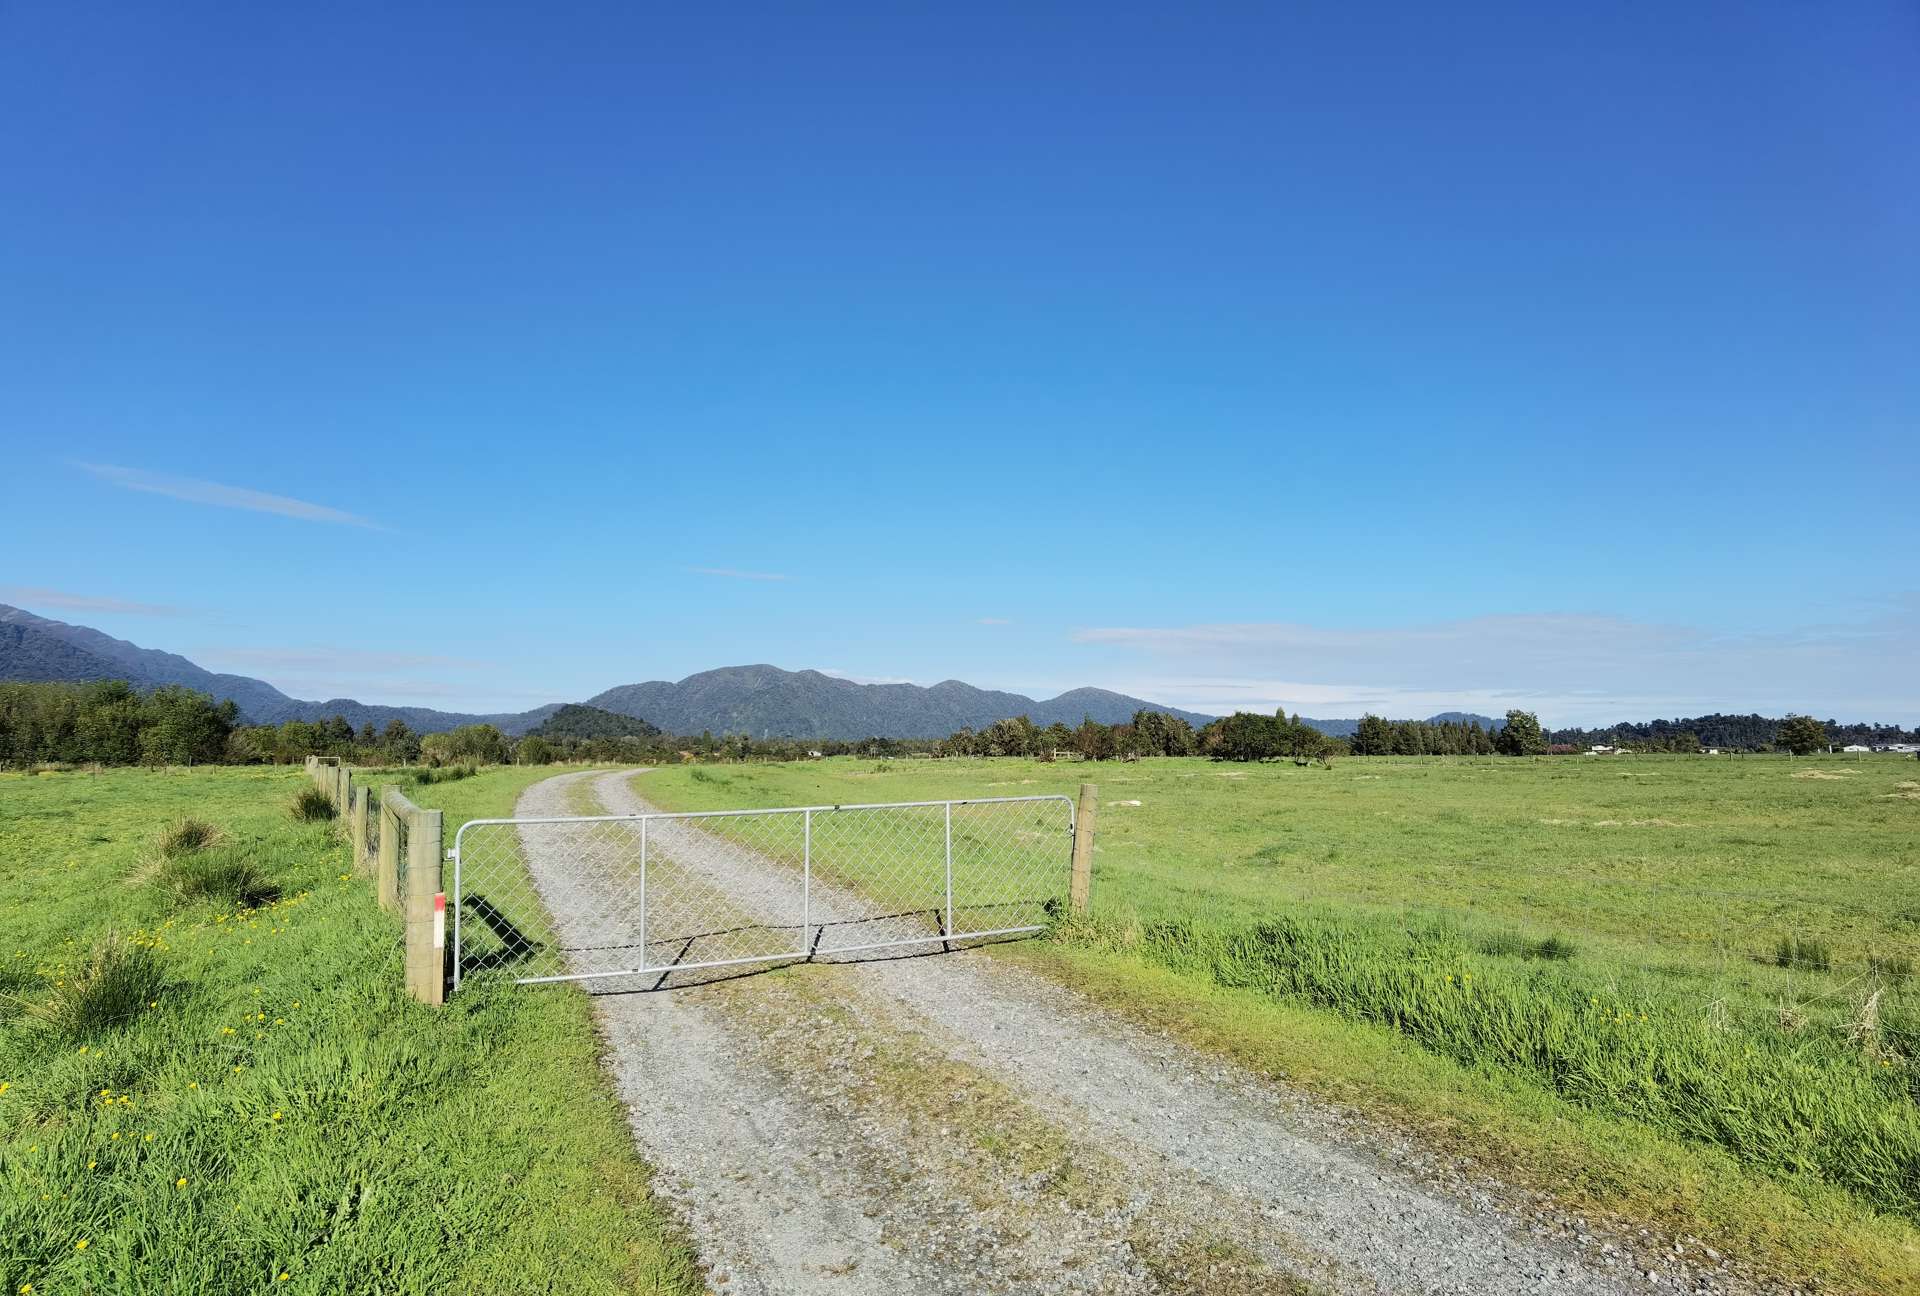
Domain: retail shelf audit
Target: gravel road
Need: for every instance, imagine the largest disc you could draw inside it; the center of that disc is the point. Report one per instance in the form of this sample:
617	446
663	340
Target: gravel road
949	1123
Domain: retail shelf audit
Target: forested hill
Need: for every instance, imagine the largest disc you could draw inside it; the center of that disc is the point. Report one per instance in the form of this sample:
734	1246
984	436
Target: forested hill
765	701
39	649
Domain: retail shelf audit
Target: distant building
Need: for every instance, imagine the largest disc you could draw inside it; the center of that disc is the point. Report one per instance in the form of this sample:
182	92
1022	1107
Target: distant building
1856	747
1904	749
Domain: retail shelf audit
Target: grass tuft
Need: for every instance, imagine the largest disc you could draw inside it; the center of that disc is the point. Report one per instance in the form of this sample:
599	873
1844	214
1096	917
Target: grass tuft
114	983
311	805
184	836
1803	954
229	876
443	774
1513	944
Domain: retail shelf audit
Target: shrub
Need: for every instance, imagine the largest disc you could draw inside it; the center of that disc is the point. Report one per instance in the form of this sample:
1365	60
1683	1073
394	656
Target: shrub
184	836
113	984
1802	953
312	805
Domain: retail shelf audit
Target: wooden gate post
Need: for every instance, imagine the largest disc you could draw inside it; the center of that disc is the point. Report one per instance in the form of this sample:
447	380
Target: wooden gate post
1082	889
426	918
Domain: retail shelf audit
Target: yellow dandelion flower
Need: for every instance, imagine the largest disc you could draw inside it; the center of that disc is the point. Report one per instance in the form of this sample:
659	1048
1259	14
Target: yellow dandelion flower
149	1138
93	1165
81	1245
116	1134
180	1183
281	1278
277	1115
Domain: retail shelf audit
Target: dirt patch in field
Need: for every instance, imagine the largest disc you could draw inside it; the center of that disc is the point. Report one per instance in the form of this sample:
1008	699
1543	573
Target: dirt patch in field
1823	775
1123	803
1904	792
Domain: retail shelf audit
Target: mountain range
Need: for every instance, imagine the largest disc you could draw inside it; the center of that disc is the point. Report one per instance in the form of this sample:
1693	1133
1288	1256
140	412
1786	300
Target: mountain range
760	700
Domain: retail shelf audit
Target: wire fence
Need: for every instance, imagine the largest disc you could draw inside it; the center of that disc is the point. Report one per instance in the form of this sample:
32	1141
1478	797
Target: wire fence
572	898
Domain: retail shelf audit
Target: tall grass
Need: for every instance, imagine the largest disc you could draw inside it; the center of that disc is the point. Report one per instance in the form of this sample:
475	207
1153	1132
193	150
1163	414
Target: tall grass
228	875
115	981
311	805
183	836
1808	1104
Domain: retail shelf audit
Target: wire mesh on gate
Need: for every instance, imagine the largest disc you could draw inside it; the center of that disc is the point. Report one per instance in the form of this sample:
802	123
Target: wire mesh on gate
591	896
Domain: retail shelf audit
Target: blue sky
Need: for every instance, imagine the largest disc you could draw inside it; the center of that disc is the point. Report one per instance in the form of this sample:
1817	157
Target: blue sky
1335	357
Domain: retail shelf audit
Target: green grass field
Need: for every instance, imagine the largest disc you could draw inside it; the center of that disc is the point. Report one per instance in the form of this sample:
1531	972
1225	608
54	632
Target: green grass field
1677	989
276	1115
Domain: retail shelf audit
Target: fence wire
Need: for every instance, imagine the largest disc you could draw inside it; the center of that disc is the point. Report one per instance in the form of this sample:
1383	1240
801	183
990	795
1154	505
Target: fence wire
567	898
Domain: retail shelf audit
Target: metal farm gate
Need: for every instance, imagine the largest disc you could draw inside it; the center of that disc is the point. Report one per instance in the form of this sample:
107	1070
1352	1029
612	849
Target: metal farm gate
578	897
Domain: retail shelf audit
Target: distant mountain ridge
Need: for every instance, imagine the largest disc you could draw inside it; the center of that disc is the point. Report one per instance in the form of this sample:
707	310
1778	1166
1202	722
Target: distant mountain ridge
760	700
38	648
768	702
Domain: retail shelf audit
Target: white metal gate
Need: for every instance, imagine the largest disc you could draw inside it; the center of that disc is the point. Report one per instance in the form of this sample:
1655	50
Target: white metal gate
570	898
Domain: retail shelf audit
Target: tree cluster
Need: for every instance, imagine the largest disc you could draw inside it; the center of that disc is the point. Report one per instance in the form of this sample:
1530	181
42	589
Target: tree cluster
1379	737
110	723
1149	733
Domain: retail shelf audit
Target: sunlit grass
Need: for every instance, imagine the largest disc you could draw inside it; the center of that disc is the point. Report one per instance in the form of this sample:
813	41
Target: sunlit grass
275	1104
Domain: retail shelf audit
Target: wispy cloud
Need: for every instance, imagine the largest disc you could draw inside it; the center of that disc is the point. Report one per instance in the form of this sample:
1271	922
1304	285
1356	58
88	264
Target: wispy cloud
337	660
864	679
994	621
49	598
734	573
1572	669
195	491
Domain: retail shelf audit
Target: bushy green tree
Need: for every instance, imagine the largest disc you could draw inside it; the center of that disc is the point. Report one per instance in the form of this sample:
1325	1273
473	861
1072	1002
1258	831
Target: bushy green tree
1802	734
1521	735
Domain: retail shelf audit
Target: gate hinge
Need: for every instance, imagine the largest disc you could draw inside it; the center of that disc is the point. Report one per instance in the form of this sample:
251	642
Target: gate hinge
453	855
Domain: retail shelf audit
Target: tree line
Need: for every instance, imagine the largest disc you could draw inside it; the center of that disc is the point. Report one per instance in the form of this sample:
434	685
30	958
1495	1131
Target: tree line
1244	736
109	722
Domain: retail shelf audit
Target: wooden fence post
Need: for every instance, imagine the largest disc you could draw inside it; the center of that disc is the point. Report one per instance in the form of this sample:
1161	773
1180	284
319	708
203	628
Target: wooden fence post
1082	889
357	825
387	870
426	918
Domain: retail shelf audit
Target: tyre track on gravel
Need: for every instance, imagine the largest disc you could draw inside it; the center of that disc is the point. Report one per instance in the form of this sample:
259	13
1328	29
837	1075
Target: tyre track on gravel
806	1176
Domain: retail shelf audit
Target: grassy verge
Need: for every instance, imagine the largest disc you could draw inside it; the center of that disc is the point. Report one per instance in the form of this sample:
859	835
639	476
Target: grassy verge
1568	968
273	1113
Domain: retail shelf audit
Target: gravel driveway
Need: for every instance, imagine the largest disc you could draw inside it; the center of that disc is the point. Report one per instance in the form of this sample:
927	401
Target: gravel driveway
949	1123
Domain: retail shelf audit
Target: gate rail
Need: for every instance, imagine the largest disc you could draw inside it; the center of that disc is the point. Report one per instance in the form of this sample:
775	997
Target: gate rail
581	897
